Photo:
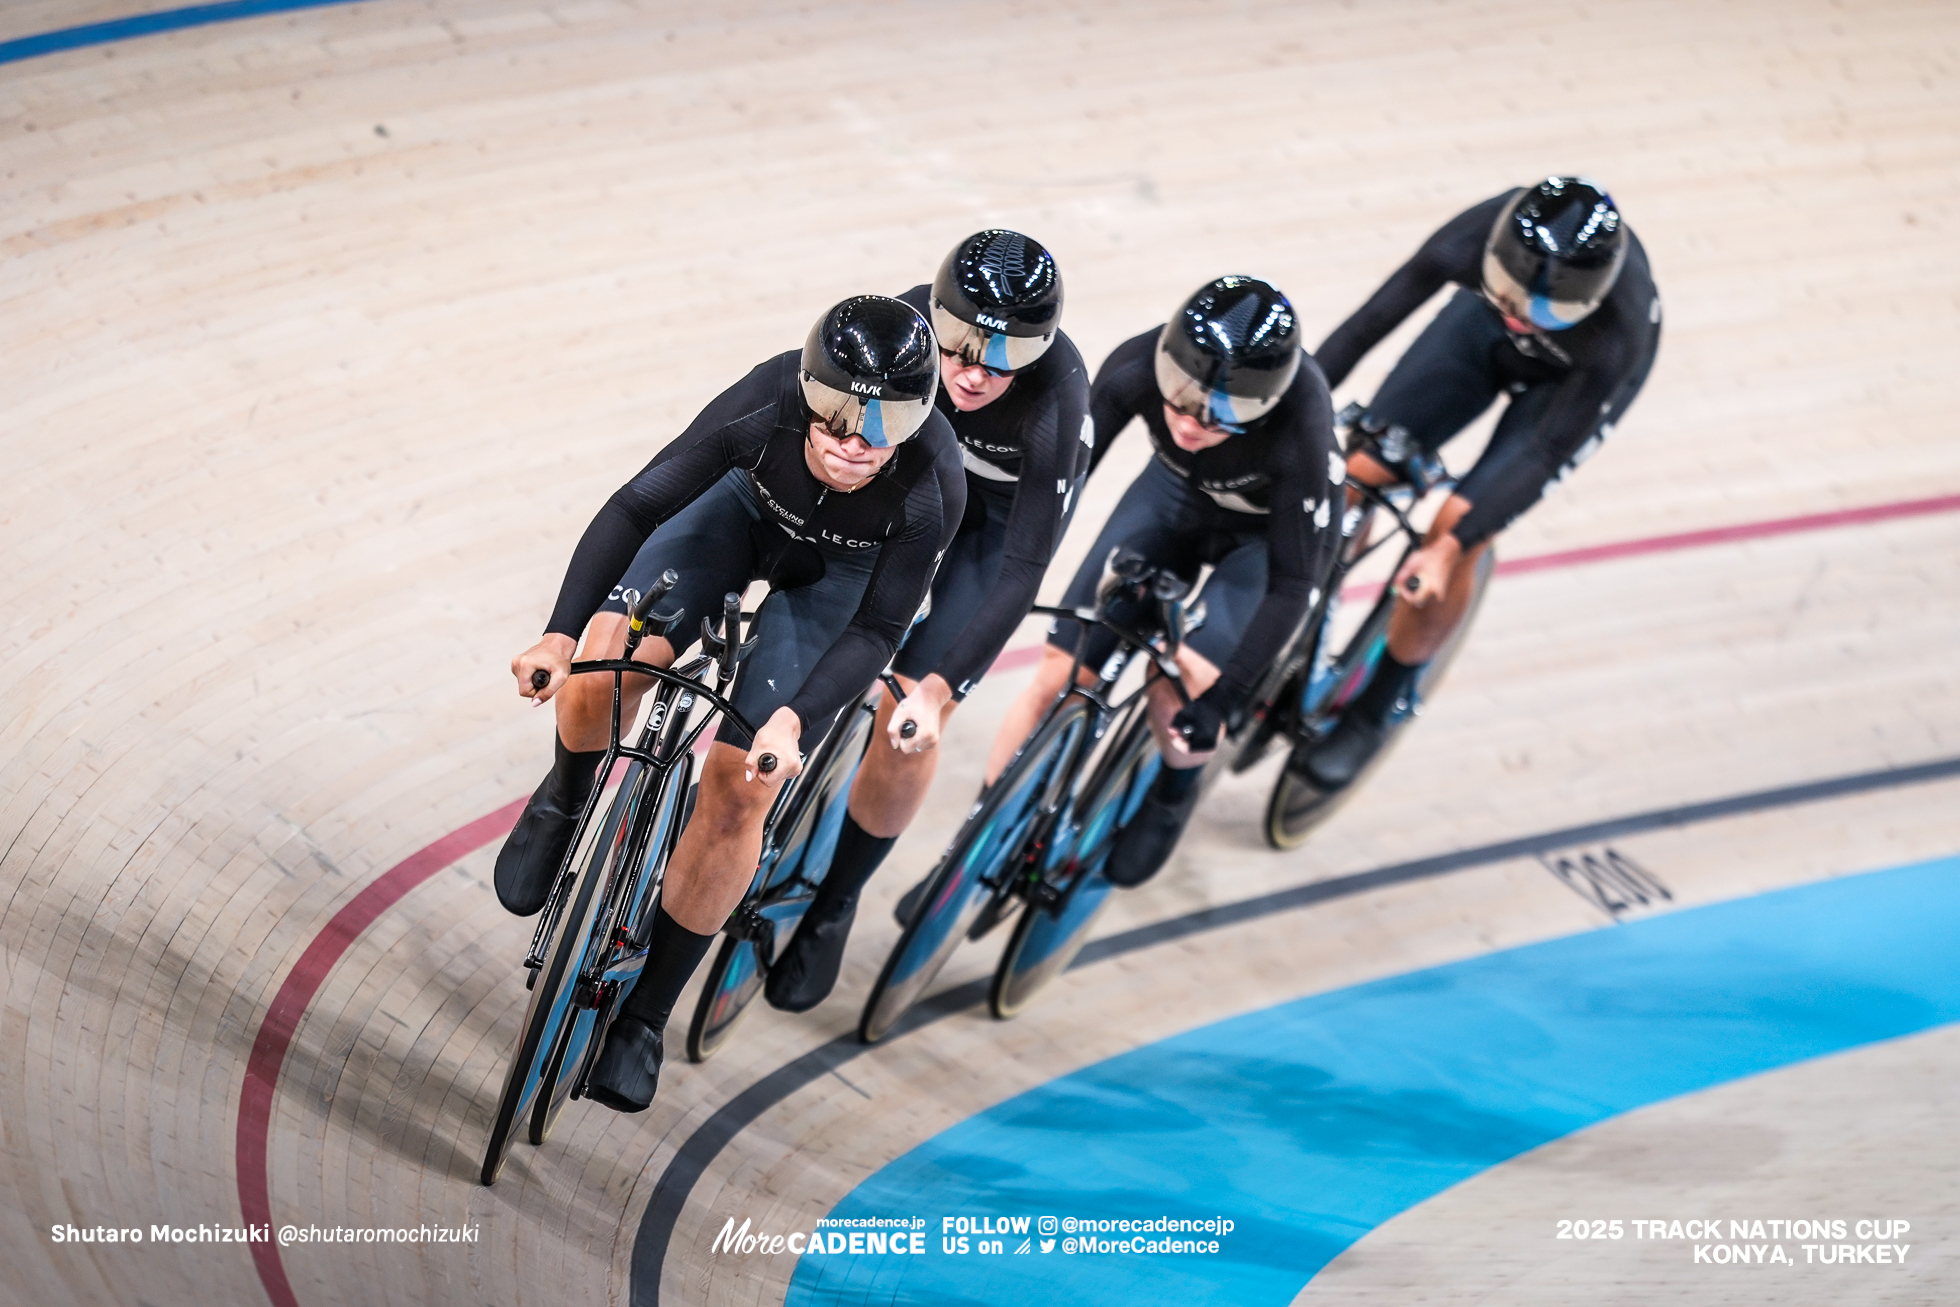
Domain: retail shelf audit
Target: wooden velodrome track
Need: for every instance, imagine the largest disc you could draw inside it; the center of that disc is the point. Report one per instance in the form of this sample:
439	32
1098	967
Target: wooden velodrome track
326	331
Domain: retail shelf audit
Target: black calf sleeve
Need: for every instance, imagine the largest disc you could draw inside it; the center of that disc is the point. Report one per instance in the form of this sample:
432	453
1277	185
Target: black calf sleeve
672	956
858	855
1173	784
572	774
1392	680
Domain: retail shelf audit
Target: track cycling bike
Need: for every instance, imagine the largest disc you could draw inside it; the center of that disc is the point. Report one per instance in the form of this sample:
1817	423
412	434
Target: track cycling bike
591	940
1036	840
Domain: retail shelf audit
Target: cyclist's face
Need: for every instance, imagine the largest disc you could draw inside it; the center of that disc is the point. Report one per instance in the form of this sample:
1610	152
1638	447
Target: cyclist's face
969	385
1191	435
842	464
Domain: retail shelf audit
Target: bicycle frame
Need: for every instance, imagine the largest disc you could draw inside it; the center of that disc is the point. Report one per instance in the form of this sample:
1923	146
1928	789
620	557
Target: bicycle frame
1276	711
1105	712
666	738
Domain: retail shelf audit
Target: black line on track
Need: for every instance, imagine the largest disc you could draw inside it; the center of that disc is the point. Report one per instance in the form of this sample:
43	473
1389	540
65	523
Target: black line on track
676	1183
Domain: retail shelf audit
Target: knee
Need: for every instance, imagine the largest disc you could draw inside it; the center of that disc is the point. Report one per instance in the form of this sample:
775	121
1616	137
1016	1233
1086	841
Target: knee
729	803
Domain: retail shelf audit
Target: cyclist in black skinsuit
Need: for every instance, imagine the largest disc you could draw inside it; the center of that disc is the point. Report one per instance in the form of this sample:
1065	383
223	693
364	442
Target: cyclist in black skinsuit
1017	395
1244	479
830	475
1556	308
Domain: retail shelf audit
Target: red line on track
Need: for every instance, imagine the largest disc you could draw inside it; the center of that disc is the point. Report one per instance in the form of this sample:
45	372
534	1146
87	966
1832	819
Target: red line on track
290	1003
310	972
1724	535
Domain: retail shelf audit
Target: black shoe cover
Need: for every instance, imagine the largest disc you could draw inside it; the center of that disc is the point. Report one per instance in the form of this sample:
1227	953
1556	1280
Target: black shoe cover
1144	845
1337	760
532	852
908	903
628	1069
804	975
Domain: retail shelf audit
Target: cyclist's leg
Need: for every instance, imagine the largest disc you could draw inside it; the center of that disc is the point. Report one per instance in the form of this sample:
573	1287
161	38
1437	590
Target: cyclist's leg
1441	385
707	544
706	877
1231	595
891	785
716	857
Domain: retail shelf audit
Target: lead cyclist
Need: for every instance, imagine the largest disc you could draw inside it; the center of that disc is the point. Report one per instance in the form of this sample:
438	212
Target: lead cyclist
1557	310
1017	396
826	472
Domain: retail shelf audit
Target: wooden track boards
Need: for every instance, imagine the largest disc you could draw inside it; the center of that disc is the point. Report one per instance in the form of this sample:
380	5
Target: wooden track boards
326	332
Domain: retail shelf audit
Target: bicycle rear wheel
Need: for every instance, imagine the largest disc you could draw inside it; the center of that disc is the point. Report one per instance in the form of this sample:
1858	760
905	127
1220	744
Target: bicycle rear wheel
1297	806
1046	939
991	837
813	825
550	1006
654	824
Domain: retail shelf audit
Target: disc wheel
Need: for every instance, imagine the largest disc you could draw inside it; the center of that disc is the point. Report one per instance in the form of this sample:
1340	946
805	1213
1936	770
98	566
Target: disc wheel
962	882
1297	806
812	826
550	1007
1046	939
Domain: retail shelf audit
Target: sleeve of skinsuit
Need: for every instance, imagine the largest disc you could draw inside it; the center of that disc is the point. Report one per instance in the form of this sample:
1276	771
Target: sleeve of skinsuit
1455	252
899	580
1126	385
1051	442
1573	414
1303	535
730	432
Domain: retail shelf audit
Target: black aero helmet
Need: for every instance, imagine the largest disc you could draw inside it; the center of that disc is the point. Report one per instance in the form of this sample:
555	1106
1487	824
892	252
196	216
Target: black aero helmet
997	300
1554	253
1230	352
870	370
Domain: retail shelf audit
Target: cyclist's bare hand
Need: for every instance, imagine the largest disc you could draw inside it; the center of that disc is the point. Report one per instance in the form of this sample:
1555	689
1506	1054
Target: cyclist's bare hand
1425	575
776	741
552	656
923	709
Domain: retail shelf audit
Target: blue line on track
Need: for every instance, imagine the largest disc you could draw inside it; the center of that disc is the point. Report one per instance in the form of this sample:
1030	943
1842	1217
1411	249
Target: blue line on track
169	20
1311	1123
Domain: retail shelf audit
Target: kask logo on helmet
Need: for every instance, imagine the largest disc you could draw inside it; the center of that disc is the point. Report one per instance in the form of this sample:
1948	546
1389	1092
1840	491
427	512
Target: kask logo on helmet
991	324
867	388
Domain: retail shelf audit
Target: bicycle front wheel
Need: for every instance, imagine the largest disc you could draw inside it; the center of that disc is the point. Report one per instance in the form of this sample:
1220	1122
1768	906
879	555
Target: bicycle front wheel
993	835
551	1004
1046	939
611	961
1297	806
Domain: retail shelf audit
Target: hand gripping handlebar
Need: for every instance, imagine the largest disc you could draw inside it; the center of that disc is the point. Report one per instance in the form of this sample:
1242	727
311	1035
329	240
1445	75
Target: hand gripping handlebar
909	729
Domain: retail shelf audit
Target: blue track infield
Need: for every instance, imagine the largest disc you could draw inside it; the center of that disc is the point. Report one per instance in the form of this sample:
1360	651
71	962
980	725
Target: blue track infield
168	20
1310	1123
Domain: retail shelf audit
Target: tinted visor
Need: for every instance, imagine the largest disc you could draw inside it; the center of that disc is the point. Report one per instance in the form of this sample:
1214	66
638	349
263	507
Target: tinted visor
881	422
1545	304
1214	408
990	349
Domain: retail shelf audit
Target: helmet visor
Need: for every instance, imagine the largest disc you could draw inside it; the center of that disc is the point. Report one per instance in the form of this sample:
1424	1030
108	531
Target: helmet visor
994	350
1215	408
881	423
1522	303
